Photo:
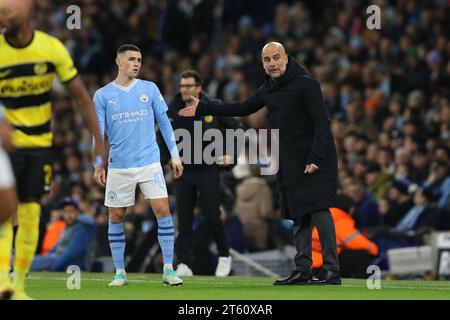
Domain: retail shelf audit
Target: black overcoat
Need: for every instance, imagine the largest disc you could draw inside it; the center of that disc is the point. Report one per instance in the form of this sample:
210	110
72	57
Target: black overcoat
297	109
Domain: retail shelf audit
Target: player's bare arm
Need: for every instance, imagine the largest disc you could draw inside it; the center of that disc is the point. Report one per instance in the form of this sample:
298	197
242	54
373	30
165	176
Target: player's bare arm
86	107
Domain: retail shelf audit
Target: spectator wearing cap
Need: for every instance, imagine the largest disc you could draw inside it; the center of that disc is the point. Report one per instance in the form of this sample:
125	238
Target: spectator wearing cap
400	202
377	181
439	182
73	247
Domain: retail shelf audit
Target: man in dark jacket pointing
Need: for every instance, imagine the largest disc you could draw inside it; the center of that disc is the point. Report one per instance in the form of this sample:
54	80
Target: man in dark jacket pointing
307	176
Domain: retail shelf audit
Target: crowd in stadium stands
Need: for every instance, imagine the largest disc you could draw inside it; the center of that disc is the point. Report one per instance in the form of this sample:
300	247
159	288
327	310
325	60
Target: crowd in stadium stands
387	93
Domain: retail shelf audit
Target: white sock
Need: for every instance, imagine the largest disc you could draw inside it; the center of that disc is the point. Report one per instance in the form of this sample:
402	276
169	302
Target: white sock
120	271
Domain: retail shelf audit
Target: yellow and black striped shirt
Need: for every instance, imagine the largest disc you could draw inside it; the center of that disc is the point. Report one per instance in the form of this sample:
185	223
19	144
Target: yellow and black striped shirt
26	79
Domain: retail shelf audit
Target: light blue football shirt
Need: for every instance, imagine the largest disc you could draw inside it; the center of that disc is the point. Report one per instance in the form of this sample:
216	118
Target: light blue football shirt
127	116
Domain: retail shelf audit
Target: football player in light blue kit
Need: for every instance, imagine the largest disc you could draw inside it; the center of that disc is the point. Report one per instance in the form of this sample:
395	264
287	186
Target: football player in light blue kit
127	109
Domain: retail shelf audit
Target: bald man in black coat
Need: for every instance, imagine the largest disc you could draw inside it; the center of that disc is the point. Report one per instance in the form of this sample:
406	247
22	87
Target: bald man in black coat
307	176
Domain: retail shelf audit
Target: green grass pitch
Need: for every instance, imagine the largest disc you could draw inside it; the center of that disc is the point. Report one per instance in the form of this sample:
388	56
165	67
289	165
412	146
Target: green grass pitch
94	286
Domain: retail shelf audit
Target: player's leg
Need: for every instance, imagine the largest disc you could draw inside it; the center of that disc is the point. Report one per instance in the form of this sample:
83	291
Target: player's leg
34	181
166	237
153	186
119	194
26	242
209	188
8	199
117	242
6	238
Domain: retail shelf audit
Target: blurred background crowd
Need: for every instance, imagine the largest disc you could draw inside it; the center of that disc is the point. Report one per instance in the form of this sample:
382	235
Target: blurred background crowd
387	93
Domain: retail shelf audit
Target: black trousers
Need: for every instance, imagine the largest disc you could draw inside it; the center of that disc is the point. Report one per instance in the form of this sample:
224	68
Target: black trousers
204	185
303	226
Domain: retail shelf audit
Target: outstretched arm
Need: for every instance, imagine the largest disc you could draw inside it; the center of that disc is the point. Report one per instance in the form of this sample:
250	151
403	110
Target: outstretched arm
244	108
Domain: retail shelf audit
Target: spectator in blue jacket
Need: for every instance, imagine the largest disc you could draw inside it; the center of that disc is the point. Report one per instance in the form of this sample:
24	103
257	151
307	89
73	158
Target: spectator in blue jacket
366	212
74	245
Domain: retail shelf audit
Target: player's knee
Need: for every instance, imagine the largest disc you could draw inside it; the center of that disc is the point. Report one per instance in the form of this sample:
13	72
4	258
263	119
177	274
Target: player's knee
161	210
116	216
116	219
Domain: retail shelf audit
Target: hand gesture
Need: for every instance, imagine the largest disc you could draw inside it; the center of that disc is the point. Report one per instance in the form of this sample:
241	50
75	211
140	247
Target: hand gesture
189	110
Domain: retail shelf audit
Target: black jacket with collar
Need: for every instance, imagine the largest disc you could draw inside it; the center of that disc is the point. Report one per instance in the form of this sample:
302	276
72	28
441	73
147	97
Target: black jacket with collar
296	107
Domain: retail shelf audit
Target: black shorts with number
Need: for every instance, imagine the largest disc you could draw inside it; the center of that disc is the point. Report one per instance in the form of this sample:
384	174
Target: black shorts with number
33	171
